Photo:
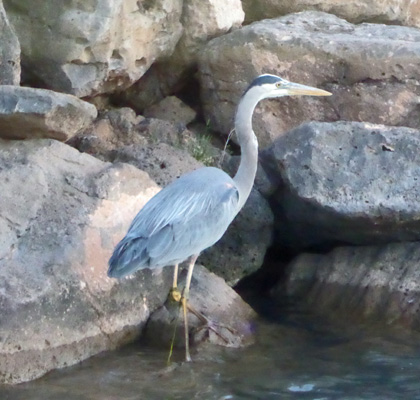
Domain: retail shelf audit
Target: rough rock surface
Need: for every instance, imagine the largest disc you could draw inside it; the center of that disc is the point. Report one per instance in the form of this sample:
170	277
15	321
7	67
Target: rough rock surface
394	12
201	20
171	109
27	113
119	128
86	48
346	182
210	296
204	20
160	148
9	52
58	306
377	282
113	129
241	251
371	70
162	162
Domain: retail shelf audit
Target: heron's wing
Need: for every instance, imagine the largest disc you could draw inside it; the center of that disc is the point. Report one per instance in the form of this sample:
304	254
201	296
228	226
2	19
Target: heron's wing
161	243
200	223
183	219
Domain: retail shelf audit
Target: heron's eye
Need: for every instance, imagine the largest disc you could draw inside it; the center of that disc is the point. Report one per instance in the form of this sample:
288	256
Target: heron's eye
278	84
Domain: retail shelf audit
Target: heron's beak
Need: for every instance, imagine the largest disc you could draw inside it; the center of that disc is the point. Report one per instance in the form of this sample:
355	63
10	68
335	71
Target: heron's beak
295	89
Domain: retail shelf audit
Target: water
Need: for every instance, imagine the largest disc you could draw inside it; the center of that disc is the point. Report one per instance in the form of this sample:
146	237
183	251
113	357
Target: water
299	357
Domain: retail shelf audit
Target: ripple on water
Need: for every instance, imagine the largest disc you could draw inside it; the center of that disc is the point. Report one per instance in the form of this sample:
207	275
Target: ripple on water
300	358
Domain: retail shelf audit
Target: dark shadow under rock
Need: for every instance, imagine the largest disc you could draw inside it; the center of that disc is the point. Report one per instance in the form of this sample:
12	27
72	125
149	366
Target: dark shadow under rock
375	283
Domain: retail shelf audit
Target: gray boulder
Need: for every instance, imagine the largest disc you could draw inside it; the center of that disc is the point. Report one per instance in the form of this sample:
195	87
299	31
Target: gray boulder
370	68
94	47
346	182
231	317
61	213
201	20
27	113
172	109
393	12
379	283
9	51
164	163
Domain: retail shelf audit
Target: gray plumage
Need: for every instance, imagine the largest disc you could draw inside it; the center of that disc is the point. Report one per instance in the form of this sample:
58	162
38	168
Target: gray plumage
175	223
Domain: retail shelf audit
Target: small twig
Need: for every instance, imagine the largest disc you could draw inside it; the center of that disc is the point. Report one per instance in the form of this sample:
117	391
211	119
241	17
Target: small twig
220	163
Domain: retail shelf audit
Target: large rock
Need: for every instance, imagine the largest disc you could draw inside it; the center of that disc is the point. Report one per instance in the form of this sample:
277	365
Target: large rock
9	52
172	109
202	20
231	318
346	182
61	213
93	47
355	283
394	12
27	113
205	20
371	70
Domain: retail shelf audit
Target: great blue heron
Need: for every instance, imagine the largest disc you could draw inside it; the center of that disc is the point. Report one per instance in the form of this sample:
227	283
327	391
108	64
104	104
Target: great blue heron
193	212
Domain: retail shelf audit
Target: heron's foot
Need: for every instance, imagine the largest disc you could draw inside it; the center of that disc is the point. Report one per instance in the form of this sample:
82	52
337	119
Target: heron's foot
218	329
211	326
175	294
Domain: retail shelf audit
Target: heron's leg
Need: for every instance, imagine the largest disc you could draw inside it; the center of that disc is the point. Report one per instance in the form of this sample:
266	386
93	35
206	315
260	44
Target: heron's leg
184	301
175	293
175	284
191	264
206	322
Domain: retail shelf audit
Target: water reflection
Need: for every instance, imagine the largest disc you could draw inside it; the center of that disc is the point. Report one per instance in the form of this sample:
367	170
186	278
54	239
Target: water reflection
298	358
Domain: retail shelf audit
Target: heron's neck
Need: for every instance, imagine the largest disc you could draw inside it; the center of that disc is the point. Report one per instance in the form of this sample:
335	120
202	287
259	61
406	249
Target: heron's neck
244	178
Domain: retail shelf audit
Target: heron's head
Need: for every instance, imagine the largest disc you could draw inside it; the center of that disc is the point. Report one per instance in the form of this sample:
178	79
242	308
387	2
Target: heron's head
270	86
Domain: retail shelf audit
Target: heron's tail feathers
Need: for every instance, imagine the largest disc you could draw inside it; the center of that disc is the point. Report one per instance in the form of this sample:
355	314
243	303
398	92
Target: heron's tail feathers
129	256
